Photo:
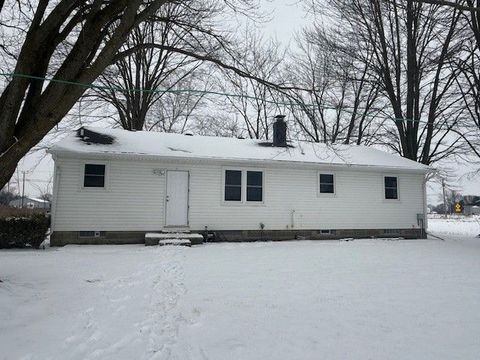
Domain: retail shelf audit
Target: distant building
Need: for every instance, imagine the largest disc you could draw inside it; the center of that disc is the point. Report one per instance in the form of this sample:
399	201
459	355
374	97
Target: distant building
472	208
30	203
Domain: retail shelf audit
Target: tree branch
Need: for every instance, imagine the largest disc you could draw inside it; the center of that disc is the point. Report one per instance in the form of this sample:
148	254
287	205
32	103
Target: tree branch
211	59
455	5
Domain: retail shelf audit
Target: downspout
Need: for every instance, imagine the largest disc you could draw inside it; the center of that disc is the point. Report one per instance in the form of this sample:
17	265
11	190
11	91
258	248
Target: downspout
56	179
425	221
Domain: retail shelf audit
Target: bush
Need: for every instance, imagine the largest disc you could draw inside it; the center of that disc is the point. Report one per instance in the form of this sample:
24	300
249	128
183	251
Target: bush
22	227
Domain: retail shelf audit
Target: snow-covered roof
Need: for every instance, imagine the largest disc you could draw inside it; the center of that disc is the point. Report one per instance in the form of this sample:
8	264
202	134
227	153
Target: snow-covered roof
28	198
39	200
121	143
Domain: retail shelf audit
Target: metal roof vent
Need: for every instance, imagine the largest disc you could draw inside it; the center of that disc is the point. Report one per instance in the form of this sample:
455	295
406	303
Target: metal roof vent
92	137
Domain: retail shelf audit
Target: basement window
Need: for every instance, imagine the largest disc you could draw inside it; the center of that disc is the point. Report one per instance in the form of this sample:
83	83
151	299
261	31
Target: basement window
233	185
392	231
254	186
327	184
94	175
91	234
391	187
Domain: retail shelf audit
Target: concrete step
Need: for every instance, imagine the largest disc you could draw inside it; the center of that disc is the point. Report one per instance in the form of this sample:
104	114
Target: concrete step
175	242
180	230
185	239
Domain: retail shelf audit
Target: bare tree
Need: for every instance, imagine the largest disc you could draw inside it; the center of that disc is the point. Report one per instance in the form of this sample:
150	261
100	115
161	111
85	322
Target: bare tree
135	83
251	101
468	63
462	5
74	29
218	124
6	196
340	105
413	47
73	42
176	110
43	188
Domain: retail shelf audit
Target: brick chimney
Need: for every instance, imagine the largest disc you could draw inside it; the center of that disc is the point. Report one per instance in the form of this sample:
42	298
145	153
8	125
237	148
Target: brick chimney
280	131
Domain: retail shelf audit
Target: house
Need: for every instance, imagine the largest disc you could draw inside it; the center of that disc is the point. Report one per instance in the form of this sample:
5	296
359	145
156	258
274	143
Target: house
472	208
113	186
30	203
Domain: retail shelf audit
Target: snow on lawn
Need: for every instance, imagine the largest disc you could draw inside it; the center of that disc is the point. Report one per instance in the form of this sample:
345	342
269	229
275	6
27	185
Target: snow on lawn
455	225
365	299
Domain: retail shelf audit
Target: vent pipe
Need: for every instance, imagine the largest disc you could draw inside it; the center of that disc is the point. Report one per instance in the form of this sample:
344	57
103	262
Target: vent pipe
280	131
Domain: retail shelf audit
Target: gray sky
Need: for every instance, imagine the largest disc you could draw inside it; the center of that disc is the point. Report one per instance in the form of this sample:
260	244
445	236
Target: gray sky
287	18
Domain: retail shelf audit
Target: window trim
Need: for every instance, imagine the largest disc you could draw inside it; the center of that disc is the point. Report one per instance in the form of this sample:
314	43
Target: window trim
106	184
243	201
327	172
384	195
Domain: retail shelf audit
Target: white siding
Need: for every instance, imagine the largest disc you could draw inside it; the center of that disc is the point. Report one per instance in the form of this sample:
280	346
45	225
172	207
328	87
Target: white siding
134	199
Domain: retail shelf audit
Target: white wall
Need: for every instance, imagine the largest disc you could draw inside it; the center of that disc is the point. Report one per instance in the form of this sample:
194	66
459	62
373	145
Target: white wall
135	197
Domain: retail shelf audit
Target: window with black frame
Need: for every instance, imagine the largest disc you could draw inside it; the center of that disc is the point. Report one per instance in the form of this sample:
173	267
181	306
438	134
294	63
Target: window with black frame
94	175
327	184
254	186
391	187
233	185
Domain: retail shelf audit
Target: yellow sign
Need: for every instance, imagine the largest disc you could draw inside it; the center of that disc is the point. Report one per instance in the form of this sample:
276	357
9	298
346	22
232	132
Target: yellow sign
458	208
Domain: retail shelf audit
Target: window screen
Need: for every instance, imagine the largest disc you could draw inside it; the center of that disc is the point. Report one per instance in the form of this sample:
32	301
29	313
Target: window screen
254	186
94	175
327	184
391	187
233	185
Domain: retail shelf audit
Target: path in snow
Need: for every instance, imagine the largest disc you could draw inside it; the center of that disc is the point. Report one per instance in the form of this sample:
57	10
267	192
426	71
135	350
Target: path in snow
164	318
92	303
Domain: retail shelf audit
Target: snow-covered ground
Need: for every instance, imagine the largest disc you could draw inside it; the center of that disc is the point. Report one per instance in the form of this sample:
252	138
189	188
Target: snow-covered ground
363	299
455	225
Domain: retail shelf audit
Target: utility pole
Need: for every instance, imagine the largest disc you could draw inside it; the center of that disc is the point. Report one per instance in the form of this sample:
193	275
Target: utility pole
444	199
18	181
23	188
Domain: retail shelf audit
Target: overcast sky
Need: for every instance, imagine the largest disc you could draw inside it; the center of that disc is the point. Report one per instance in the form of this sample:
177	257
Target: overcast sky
287	18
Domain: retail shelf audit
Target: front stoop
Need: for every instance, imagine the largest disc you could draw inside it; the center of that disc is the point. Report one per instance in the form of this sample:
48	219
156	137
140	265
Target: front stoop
179	239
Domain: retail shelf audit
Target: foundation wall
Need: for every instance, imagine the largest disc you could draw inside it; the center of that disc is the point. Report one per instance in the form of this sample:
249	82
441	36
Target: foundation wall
61	238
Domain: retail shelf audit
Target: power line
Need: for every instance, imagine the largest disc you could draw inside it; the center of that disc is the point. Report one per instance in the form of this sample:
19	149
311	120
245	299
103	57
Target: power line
207	92
157	90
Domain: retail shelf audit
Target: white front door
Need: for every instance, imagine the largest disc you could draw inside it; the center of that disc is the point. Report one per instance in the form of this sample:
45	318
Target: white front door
177	198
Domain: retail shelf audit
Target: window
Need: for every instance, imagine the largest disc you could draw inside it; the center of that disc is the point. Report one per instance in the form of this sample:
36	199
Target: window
94	175
233	185
84	234
391	231
391	187
243	186
327	184
254	186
